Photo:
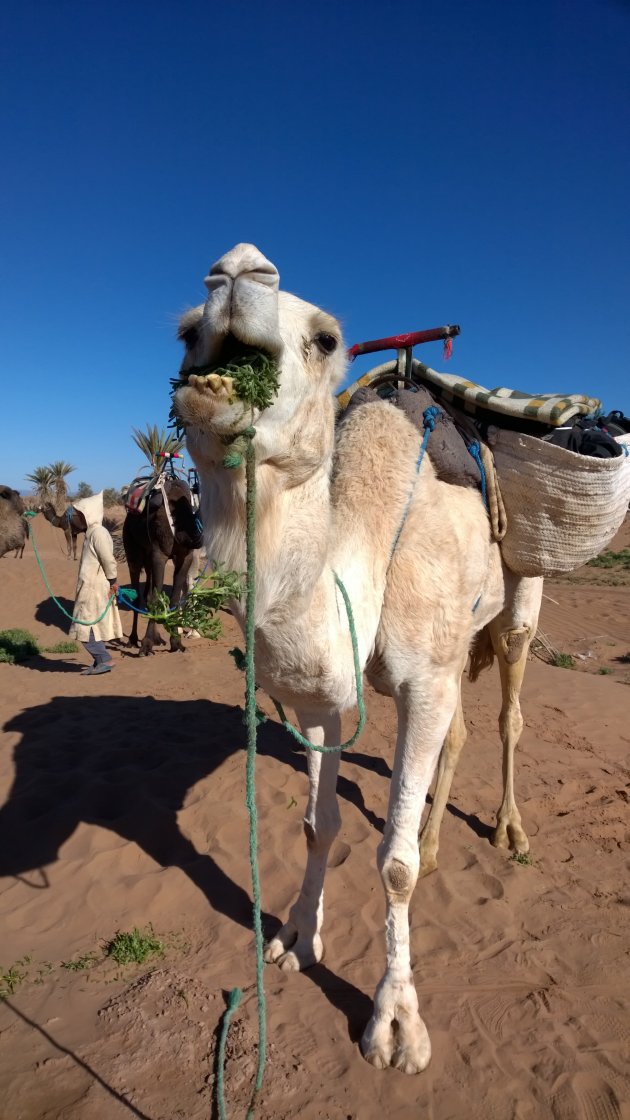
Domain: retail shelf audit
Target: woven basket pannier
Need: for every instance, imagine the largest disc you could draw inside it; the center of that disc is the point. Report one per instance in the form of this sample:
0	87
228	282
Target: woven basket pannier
562	508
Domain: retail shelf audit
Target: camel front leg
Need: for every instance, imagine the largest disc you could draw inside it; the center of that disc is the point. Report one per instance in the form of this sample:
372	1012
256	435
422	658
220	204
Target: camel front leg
511	648
396	1035
180	583
449	755
298	944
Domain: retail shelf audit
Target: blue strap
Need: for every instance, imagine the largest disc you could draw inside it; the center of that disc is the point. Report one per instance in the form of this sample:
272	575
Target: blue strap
429	416
475	450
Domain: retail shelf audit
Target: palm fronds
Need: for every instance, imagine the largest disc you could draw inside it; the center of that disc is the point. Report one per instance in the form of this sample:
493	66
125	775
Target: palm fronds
155	441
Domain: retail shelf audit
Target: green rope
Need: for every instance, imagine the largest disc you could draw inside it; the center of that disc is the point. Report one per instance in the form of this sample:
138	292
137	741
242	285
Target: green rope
234	999
250	783
49	590
359	681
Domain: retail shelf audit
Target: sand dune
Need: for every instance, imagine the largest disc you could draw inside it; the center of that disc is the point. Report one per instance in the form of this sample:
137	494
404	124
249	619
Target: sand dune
122	804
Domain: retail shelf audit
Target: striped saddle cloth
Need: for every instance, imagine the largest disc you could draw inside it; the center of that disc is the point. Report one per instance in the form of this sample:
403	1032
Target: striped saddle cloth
509	406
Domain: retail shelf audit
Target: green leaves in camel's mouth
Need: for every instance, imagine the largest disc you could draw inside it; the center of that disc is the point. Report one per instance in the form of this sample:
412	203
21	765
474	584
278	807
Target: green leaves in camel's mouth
251	377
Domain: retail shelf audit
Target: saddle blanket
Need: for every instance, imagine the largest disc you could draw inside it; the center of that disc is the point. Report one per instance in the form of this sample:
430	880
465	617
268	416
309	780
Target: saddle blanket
550	409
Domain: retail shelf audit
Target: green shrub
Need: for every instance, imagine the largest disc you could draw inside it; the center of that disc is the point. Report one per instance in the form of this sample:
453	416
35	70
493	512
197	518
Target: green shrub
17	645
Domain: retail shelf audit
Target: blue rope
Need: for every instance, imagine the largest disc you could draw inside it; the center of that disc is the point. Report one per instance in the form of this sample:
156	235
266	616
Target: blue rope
429	417
475	450
123	592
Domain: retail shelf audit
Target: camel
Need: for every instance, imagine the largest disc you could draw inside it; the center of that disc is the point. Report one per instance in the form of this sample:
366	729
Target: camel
333	502
66	524
13	527
149	542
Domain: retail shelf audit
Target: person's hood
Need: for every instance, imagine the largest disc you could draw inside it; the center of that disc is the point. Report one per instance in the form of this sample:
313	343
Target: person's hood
91	508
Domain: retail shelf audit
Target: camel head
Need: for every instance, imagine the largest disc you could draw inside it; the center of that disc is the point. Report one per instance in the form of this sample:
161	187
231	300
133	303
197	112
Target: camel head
245	310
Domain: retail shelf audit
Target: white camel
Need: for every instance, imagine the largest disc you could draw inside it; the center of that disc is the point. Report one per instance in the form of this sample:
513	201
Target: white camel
331	502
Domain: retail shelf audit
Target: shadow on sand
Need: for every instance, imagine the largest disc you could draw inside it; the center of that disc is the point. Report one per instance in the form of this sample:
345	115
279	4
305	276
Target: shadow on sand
89	759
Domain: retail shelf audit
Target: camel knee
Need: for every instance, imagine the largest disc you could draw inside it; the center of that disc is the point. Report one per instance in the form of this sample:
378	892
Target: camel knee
399	878
514	643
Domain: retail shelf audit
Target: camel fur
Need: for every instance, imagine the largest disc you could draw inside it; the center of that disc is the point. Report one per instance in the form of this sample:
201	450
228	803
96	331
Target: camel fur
13	527
331	501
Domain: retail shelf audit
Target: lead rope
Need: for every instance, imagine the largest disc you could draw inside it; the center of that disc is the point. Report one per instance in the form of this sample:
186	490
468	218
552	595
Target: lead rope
241	448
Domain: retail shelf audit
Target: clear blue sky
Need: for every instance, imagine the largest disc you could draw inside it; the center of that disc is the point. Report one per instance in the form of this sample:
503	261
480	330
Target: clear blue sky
403	164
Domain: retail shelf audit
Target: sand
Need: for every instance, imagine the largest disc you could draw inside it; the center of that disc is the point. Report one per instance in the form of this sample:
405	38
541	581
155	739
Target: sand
122	805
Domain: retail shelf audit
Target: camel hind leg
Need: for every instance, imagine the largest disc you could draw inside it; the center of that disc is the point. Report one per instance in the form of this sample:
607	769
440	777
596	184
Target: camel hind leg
511	634
449	755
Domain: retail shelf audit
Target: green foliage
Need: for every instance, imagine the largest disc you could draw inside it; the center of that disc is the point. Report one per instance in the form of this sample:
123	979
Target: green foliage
17	645
81	964
563	661
523	858
41	478
84	490
155	441
62	647
112	497
10	979
59	472
255	375
134	947
609	559
198	610
605	671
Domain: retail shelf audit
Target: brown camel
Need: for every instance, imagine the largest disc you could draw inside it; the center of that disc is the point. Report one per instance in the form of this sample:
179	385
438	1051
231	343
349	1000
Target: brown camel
150	541
61	521
13	527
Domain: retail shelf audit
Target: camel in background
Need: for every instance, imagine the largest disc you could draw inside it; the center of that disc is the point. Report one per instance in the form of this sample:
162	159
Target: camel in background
13	527
330	502
66	524
149	541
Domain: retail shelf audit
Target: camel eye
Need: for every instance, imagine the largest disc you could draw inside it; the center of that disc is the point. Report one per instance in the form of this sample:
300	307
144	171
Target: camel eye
190	337
326	342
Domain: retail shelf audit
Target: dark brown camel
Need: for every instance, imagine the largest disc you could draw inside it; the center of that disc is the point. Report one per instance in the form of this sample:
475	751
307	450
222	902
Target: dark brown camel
61	521
149	542
13	528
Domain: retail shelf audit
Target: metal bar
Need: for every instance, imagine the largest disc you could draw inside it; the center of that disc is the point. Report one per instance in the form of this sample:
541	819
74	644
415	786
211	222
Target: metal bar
404	341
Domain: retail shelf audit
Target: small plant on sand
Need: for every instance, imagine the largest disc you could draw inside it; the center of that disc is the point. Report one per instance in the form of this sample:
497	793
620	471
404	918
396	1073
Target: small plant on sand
10	979
80	964
17	645
563	661
134	947
605	671
62	647
523	858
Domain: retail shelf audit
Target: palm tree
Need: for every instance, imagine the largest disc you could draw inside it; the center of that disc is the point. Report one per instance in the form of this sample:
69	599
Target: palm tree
42	479
154	442
59	472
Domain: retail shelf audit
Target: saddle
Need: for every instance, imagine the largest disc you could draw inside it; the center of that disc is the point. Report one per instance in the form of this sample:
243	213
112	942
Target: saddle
184	521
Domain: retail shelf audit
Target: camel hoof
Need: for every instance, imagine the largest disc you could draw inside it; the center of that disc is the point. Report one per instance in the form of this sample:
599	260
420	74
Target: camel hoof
510	836
404	1045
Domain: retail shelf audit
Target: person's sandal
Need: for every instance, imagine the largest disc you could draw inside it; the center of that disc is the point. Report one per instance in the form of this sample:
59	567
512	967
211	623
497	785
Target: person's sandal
96	670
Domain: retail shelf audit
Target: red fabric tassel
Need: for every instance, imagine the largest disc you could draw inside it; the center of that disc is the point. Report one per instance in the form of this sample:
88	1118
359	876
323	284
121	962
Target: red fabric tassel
448	349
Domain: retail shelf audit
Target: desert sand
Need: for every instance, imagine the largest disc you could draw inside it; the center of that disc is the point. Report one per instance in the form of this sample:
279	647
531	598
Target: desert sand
122	805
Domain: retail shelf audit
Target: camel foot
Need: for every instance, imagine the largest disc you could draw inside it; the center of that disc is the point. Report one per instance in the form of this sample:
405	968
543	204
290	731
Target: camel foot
399	1042
133	643
146	651
509	834
293	952
177	646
